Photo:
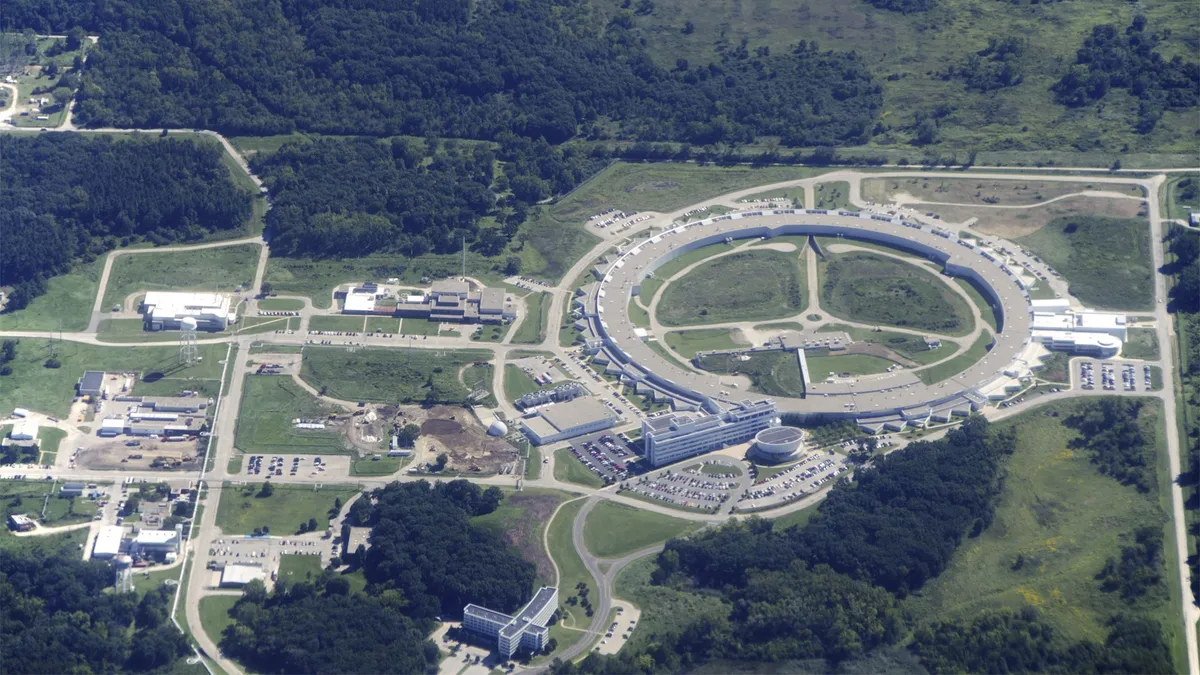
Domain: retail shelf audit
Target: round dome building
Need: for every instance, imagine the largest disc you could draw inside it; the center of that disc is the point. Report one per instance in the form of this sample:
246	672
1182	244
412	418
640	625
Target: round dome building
778	443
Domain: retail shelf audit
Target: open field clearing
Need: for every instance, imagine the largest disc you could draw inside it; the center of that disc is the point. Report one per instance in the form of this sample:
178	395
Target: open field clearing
50	390
772	373
1141	343
1015	223
521	520
613	530
959	363
845	365
990	191
832	196
245	508
905	345
870	288
66	305
265	425
316	279
532	329
1180	195
688	342
281	304
211	269
769	285
1106	261
398	375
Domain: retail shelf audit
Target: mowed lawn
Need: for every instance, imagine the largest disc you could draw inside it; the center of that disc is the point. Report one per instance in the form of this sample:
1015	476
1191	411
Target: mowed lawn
397	375
265	425
50	390
961	361
614	530
1106	261
214	614
517	383
569	469
353	324
875	289
772	373
241	509
571	571
281	304
532	329
210	269
1057	521
906	345
743	286
844	365
688	342
296	568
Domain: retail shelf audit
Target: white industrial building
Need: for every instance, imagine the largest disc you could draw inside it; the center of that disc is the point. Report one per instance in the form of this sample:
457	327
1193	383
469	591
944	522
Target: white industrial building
568	419
152	542
778	443
163	310
108	542
1060	328
677	436
236	576
25	430
526	630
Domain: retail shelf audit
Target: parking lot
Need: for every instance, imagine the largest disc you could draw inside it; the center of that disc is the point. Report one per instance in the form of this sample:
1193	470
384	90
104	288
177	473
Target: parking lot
706	484
812	473
608	456
316	467
1130	379
263	551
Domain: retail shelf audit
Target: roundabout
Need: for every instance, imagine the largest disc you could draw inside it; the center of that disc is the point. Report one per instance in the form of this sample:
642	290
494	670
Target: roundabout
873	399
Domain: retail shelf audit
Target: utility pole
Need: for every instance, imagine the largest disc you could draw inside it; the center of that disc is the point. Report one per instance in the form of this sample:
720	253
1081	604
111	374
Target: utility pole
464	257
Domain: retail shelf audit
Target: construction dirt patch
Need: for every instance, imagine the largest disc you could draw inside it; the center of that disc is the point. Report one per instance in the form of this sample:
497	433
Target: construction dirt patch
149	455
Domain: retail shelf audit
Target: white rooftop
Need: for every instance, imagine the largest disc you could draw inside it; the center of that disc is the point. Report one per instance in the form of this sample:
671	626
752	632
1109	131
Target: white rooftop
241	574
359	302
108	541
156	536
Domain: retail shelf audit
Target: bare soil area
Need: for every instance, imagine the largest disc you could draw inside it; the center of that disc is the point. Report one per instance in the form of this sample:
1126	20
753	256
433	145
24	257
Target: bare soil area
150	455
976	191
1013	223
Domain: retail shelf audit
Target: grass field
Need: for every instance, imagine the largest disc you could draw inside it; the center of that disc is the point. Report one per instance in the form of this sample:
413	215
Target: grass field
909	54
264	424
50	390
50	439
795	196
1011	223
210	269
797	518
1056	522
489	332
1056	368
677	264
781	325
296	568
253	325
337	323
414	326
532	329
833	195
688	342
769	285
661	349
571	470
1106	261
845	365
980	191
521	521
990	316
1141	343
391	375
571	571
870	288
66	305
614	530
280	305
772	373
906	345
383	324
959	363
214	614
241	510
27	497
664	609
517	383
638	316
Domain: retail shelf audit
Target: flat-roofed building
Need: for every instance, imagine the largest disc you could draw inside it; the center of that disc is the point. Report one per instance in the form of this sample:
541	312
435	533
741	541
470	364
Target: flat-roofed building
148	542
163	310
25	430
108	542
72	489
569	419
675	436
527	630
1057	327
91	384
236	576
449	287
19	522
175	404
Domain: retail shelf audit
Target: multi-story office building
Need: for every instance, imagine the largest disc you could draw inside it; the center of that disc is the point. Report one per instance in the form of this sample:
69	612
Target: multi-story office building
677	436
526	630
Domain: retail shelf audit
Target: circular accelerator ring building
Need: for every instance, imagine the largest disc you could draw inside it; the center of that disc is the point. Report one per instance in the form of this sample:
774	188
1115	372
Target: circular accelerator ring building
890	400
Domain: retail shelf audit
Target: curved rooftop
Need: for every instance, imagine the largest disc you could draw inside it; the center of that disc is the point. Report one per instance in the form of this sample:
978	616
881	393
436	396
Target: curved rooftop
606	307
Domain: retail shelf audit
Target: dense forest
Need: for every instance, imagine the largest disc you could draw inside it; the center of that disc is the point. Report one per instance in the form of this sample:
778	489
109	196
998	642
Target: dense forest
829	596
538	69
57	616
351	197
1110	433
66	197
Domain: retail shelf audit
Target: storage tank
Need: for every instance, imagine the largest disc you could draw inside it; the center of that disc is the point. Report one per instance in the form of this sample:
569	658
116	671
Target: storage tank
497	428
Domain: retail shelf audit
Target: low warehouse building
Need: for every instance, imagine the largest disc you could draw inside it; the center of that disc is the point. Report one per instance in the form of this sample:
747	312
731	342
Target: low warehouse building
19	522
25	430
236	576
164	310
91	384
108	542
561	421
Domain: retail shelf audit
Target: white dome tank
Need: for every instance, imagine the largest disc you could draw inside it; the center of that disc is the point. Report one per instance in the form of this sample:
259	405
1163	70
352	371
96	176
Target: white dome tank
497	428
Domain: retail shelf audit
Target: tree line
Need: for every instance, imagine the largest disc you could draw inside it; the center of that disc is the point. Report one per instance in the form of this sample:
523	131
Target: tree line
538	69
67	198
